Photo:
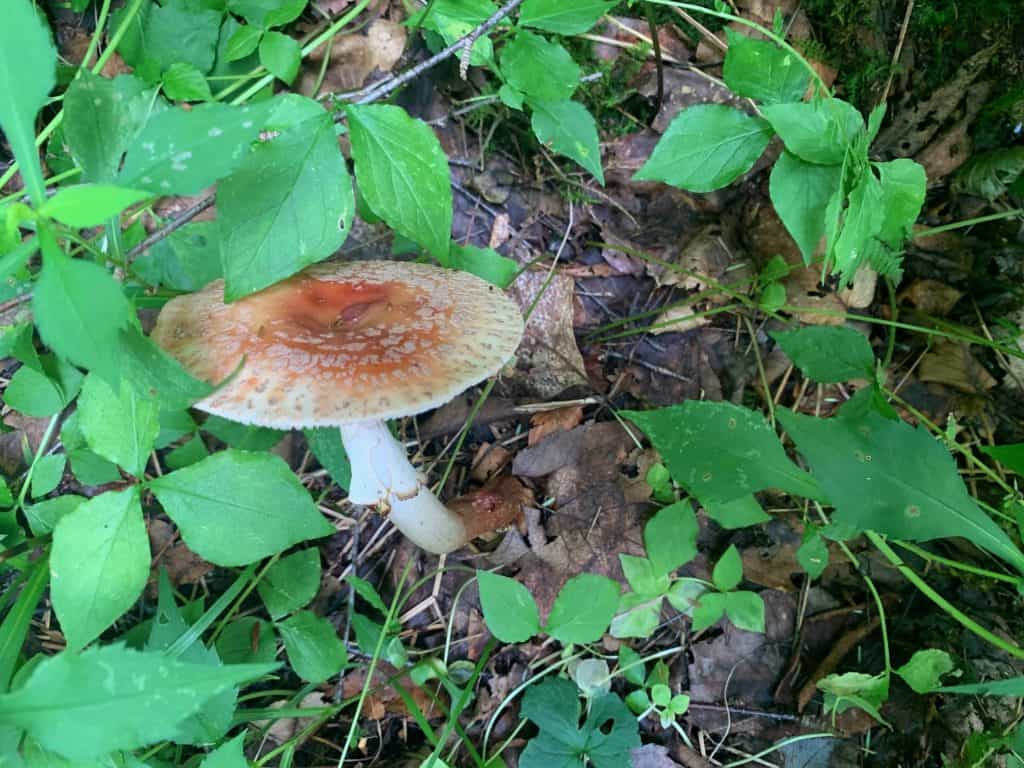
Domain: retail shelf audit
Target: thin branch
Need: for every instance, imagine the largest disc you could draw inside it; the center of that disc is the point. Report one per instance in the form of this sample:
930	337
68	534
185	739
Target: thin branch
172	226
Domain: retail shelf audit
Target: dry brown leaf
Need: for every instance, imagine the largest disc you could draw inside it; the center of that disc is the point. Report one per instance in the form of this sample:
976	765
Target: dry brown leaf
819	304
549	422
497	505
706	255
383	699
354	58
930	297
490	458
953	364
862	292
679	320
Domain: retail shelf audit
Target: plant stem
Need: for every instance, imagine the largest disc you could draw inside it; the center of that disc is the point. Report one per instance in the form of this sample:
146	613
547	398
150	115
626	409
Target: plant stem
966	621
955	564
969	223
23	491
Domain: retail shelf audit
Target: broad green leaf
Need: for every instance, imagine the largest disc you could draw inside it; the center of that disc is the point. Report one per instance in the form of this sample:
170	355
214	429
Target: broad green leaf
120	427
246	437
855	689
183	82
539	68
290	583
904	184
818	131
563	17
708	611
99	564
508	606
454	19
237	507
745	610
569	129
670	537
827	353
706	147
163	35
79	310
281	55
243	42
89	205
813	553
185	260
800	192
83	706
889	477
314	649
154	374
18	620
684	595
28	62
861	223
720	452
636	616
368	592
34	393
185	455
583	609
101	117
762	71
923	673
182	152
631	665
44	516
247	640
227	755
484	262
48	473
736	513
288	205
606	737
403	174
91	469
325	443
1010	456
227	71
728	570
643	577
267	13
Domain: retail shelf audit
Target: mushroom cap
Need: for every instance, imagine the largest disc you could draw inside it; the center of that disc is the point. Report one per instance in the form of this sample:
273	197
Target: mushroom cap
342	342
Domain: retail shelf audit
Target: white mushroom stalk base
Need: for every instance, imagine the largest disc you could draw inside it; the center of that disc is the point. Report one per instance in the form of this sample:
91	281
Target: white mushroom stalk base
382	474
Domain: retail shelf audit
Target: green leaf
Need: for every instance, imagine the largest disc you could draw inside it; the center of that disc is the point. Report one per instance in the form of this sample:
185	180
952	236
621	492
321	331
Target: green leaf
745	610
684	595
636	615
27	65
154	374
89	205
800	192
185	260
236	507
484	262
101	117
121	428
1012	686
827	353
243	42
569	129
923	673
183	82
643	577
99	564
163	35
706	147
325	444
631	665
583	609
367	591
227	755
860	225
889	477
44	516
48	473
267	13
188	453
287	206
290	583
243	436
281	56
1010	456
314	649
761	70
813	553
83	706
855	689
708	611
539	68
508	606
728	570
991	174
247	640
563	17
606	738
818	131
670	537
403	174
79	310
904	184
182	152
736	513
454	19
720	452
34	393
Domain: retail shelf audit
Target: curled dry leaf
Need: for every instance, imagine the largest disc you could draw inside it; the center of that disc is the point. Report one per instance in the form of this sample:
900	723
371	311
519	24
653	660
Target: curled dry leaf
953	364
497	505
549	422
930	297
354	58
383	699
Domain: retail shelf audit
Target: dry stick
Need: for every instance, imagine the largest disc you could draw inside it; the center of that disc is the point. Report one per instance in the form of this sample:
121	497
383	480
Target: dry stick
898	52
172	226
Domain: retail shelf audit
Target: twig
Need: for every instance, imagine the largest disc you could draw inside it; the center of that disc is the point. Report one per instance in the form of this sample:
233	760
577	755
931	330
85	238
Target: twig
475	35
711	36
898	52
172	226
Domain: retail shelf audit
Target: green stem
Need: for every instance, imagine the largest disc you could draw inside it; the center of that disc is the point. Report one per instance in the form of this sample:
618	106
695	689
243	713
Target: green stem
955	564
966	621
779	745
94	43
969	223
23	491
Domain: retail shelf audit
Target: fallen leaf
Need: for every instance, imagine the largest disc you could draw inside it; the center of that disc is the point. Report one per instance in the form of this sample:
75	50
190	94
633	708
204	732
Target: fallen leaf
930	297
353	58
383	699
490	458
548	422
495	506
953	364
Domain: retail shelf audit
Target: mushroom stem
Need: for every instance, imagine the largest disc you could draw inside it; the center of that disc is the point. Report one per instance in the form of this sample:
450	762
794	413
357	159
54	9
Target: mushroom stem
382	474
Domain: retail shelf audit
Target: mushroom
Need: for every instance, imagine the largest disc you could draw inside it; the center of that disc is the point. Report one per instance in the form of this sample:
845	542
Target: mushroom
351	345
